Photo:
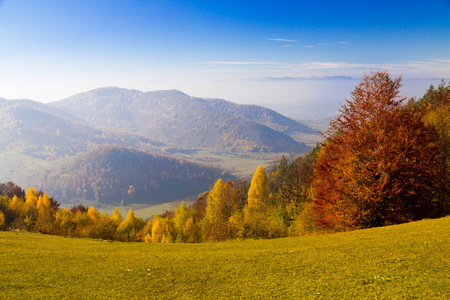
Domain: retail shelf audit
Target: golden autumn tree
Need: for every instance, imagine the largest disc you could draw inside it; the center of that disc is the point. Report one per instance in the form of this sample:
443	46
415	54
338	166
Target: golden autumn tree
88	222
183	222
116	218
30	208
2	221
45	216
16	205
215	222
130	227
93	215
64	223
31	197
258	193
215	203
377	165
146	232
162	230
257	210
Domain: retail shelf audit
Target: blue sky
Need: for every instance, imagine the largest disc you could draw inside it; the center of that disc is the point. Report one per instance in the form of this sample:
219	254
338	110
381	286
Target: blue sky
228	49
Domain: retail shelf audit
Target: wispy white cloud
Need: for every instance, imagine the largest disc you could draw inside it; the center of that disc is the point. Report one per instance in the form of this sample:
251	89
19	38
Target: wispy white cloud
335	65
239	63
283	40
339	65
442	60
315	45
309	45
321	78
245	71
429	68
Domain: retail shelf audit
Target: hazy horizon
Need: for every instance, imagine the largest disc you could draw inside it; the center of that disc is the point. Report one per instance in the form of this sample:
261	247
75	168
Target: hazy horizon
247	52
300	99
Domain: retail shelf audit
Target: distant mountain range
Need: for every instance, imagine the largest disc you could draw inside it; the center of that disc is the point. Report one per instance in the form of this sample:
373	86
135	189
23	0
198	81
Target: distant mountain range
67	144
177	119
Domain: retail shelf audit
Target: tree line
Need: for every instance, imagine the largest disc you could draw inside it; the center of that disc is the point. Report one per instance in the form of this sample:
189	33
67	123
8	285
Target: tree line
384	161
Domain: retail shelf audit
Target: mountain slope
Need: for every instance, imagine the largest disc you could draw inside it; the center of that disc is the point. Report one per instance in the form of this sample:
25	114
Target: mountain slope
176	118
25	127
39	106
263	116
110	174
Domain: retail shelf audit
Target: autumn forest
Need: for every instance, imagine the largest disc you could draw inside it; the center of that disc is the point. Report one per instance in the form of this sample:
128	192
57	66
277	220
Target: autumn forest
384	160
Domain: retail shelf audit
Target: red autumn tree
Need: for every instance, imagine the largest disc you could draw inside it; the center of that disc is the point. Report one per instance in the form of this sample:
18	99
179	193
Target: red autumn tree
377	165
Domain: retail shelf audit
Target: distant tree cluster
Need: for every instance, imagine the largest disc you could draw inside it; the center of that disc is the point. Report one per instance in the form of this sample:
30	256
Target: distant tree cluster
382	162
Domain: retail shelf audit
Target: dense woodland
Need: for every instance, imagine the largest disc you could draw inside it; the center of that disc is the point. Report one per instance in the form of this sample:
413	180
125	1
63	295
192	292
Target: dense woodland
384	161
114	174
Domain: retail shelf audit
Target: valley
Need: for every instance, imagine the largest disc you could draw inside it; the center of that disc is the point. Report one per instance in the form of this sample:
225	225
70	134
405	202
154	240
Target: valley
49	145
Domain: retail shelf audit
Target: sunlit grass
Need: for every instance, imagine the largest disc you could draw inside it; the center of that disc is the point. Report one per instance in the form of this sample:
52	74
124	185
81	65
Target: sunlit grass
23	168
241	165
144	211
409	261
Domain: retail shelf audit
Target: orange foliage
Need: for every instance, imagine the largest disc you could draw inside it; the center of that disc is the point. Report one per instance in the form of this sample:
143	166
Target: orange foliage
377	165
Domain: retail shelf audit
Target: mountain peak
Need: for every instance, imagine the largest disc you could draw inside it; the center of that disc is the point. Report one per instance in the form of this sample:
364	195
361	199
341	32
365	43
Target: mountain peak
112	90
166	93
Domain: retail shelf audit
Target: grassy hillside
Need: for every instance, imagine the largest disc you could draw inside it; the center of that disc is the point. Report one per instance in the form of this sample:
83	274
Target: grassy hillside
23	169
144	211
408	261
239	164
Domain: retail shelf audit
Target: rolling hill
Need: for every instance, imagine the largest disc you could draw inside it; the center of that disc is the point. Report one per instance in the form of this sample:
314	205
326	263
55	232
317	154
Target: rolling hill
111	174
178	119
28	130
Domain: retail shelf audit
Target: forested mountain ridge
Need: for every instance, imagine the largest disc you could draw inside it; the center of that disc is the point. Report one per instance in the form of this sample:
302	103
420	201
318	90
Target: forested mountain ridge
111	174
176	118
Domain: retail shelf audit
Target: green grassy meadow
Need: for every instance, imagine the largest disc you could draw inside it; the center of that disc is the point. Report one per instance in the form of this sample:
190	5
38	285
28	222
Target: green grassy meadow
408	261
143	211
241	165
22	168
